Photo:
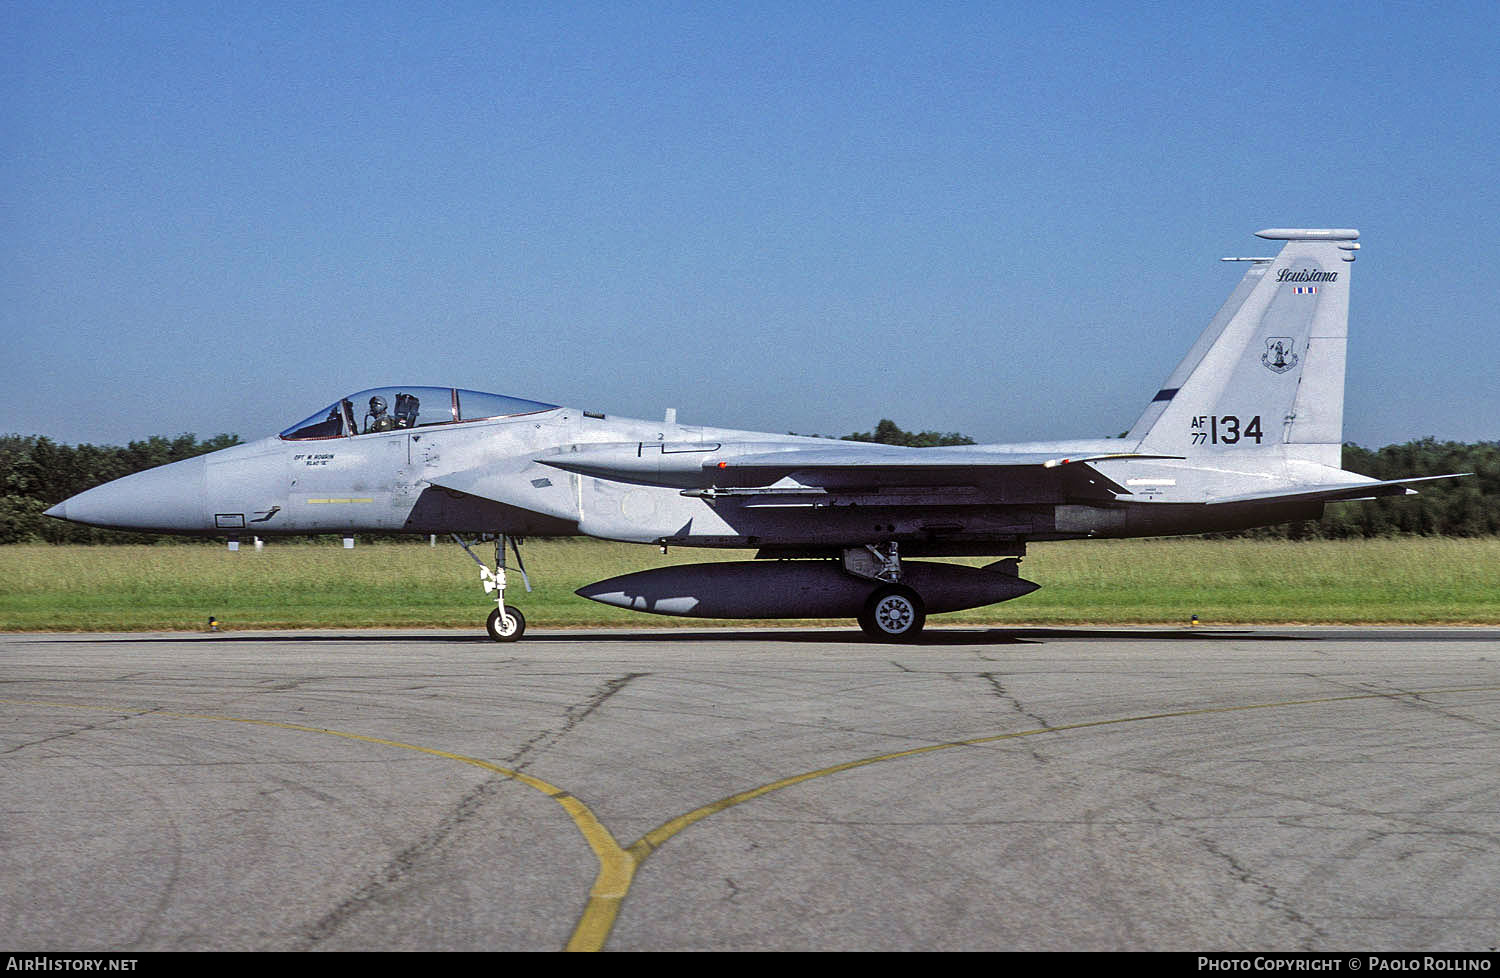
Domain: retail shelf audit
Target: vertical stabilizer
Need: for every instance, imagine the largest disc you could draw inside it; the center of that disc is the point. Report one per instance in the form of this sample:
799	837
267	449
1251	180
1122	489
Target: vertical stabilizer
1269	370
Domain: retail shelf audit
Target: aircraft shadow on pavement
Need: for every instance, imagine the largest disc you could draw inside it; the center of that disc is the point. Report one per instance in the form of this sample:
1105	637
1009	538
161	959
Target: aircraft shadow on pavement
932	638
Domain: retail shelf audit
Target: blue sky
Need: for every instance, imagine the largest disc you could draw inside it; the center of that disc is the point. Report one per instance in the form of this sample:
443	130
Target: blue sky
1000	219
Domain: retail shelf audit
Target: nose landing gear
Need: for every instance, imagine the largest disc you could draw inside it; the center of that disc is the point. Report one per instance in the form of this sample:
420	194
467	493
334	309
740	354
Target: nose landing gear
506	623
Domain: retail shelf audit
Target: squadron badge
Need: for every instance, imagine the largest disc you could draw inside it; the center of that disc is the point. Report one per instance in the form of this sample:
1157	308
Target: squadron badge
1279	357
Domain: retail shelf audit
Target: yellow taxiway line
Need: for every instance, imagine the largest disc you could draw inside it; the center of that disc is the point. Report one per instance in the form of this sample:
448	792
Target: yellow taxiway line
618	866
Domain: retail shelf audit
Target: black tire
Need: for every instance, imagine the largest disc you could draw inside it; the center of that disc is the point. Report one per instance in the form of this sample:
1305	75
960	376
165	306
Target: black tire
894	614
496	627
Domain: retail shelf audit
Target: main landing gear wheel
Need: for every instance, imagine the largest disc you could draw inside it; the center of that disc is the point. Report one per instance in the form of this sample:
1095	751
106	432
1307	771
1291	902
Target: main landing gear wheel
508	628
894	613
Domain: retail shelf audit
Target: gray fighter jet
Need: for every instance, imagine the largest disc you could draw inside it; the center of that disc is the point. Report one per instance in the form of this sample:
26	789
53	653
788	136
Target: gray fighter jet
1245	432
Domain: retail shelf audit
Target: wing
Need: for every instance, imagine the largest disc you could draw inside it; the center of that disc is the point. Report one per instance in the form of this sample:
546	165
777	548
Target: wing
910	461
882	472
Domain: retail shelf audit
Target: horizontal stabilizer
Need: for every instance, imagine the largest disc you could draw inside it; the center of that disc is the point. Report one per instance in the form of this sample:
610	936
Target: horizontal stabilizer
1335	493
1308	234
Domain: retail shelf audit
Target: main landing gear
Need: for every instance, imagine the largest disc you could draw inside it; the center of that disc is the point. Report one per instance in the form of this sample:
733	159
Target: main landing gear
894	612
506	623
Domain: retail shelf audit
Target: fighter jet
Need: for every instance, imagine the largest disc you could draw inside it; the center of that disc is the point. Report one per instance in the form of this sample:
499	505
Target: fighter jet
1245	432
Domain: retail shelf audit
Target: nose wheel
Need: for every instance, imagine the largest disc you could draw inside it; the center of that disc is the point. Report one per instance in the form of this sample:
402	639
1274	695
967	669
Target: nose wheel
508	627
506	623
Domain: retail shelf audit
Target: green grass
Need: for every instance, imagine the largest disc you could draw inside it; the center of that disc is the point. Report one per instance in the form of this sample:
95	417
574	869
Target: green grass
1411	580
77	588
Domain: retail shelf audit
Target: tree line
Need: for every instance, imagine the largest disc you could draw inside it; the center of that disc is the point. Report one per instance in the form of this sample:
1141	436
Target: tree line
38	473
1467	507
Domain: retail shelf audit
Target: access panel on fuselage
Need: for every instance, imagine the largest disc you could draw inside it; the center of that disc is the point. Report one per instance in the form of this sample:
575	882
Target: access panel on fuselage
349	483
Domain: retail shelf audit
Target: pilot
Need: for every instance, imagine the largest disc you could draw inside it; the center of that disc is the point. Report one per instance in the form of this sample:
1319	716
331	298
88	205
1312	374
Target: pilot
378	419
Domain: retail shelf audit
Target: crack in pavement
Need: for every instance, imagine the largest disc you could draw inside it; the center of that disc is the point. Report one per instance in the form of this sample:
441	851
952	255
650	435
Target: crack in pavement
401	866
572	717
80	729
993	678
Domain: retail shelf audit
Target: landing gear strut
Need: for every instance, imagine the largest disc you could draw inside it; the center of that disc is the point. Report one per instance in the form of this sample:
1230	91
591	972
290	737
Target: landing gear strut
894	612
506	623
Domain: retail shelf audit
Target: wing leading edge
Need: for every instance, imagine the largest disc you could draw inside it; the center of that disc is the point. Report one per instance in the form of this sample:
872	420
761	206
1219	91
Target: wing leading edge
779	464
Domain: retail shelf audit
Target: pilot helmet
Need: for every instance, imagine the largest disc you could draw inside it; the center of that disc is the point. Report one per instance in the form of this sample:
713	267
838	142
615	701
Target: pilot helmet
377	405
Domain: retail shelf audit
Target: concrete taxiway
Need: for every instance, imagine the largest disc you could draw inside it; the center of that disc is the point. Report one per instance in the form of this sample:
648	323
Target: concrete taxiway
752	789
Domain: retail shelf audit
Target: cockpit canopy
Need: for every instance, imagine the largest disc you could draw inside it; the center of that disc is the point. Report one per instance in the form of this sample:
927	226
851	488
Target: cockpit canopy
391	408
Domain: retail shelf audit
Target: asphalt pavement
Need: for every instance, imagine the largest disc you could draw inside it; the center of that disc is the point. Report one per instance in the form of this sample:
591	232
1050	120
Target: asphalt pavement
1026	789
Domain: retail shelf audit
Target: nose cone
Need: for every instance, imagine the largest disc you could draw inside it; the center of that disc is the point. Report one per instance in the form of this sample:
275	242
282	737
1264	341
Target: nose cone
167	499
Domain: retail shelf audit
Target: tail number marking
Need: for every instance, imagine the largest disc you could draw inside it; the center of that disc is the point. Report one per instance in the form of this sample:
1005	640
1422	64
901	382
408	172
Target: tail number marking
1224	429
